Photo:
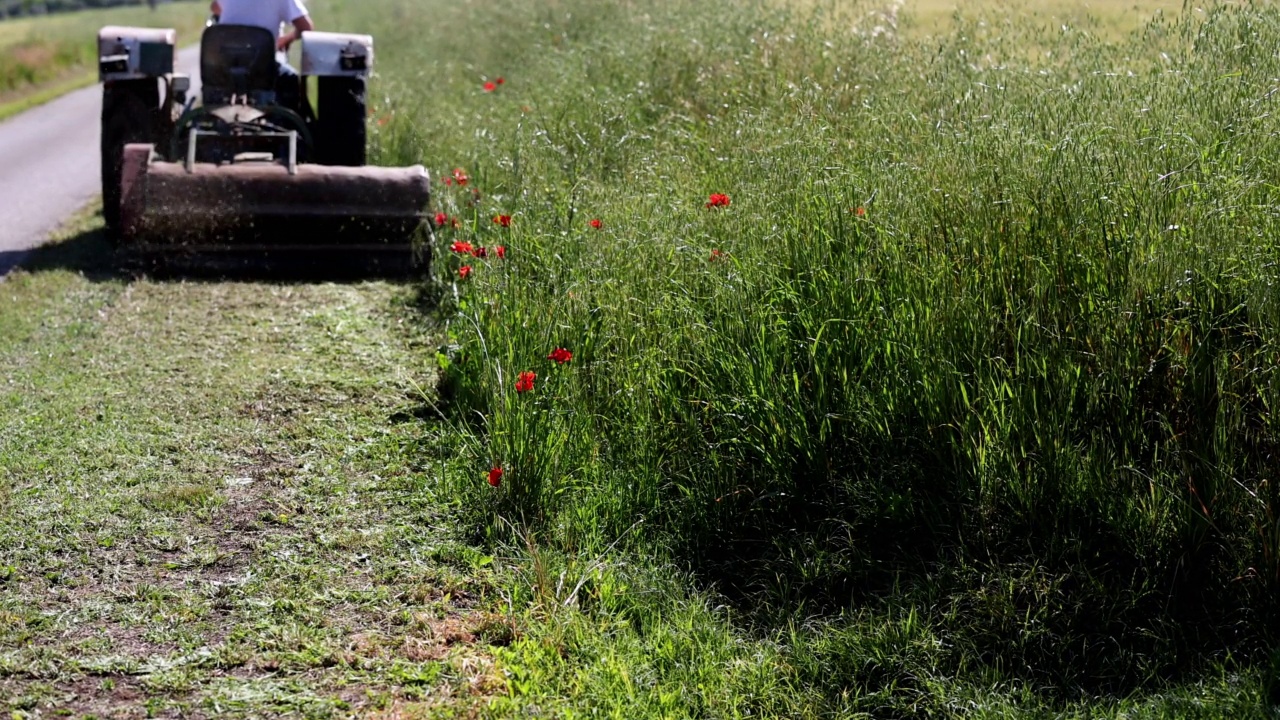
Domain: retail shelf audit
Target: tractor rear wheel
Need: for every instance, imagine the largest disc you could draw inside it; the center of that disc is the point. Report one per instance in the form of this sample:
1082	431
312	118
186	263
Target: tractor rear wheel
129	110
341	132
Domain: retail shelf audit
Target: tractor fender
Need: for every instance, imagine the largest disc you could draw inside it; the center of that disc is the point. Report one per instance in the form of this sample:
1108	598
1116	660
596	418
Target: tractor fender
133	53
326	54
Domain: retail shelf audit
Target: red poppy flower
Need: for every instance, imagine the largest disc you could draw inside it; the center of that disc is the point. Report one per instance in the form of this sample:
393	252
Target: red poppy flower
464	271
490	87
860	212
524	383
718	200
382	121
459	177
495	476
597	224
441	219
461	247
560	355
480	252
502	251
503	220
499	80
718	254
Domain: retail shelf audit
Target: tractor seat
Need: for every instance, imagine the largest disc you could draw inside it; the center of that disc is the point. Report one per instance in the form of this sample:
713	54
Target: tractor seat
238	62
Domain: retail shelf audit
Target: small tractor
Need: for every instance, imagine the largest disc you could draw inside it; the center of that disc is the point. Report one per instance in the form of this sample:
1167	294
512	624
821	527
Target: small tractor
240	170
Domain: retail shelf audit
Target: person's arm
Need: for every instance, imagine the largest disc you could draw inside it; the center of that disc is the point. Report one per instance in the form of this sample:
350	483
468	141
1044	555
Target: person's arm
300	25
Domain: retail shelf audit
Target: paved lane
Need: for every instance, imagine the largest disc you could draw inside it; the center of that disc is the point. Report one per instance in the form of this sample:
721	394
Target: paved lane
49	165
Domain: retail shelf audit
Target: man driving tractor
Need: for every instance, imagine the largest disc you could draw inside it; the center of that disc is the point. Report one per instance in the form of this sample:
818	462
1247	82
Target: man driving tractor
234	170
271	14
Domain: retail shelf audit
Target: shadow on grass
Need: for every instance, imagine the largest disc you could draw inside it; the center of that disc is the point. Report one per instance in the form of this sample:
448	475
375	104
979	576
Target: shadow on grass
1059	598
91	254
87	253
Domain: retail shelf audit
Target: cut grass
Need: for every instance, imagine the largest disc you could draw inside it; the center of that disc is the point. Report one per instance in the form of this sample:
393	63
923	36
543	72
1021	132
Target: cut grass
207	509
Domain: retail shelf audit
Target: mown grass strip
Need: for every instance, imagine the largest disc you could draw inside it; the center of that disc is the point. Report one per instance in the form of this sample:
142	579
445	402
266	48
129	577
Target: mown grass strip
211	500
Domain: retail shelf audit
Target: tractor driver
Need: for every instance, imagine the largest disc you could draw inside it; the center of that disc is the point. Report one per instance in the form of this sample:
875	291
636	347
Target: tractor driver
270	14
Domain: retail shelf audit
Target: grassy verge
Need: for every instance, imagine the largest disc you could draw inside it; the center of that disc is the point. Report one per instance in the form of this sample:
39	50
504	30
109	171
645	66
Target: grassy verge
909	378
962	403
44	57
23	101
1112	20
211	502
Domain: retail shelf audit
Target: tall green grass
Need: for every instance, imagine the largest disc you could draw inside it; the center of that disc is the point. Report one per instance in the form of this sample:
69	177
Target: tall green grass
965	404
38	51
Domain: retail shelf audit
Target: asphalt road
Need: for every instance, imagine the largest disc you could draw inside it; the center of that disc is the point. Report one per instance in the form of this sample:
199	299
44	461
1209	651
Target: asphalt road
49	165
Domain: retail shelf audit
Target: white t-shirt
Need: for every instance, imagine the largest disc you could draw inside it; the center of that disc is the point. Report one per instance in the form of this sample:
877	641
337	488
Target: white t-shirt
267	14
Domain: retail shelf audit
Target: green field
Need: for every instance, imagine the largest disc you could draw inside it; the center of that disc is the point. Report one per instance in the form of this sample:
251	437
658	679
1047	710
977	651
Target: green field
41	57
928	371
963	405
1109	17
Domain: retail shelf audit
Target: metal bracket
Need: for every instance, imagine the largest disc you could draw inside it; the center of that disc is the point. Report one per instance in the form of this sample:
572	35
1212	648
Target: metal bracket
190	164
291	162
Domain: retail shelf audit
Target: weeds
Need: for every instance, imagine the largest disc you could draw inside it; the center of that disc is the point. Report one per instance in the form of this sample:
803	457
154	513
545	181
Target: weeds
905	377
942	364
39	51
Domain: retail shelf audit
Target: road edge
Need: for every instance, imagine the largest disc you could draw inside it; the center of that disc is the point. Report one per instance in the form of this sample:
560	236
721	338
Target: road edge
46	94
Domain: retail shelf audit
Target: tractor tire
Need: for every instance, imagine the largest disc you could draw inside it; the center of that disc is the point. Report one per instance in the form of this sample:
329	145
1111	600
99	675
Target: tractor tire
129	115
341	132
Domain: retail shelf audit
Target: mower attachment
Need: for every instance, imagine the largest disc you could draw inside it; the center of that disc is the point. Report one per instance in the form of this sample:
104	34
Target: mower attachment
257	202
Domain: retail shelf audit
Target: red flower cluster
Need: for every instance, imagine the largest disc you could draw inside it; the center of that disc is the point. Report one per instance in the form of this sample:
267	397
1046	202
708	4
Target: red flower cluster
597	224
718	254
524	383
495	476
490	87
718	200
441	219
480	252
464	271
560	355
860	212
459	177
461	247
502	251
503	220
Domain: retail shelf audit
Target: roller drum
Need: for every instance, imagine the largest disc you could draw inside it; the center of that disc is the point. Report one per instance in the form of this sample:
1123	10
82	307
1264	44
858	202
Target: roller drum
261	203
